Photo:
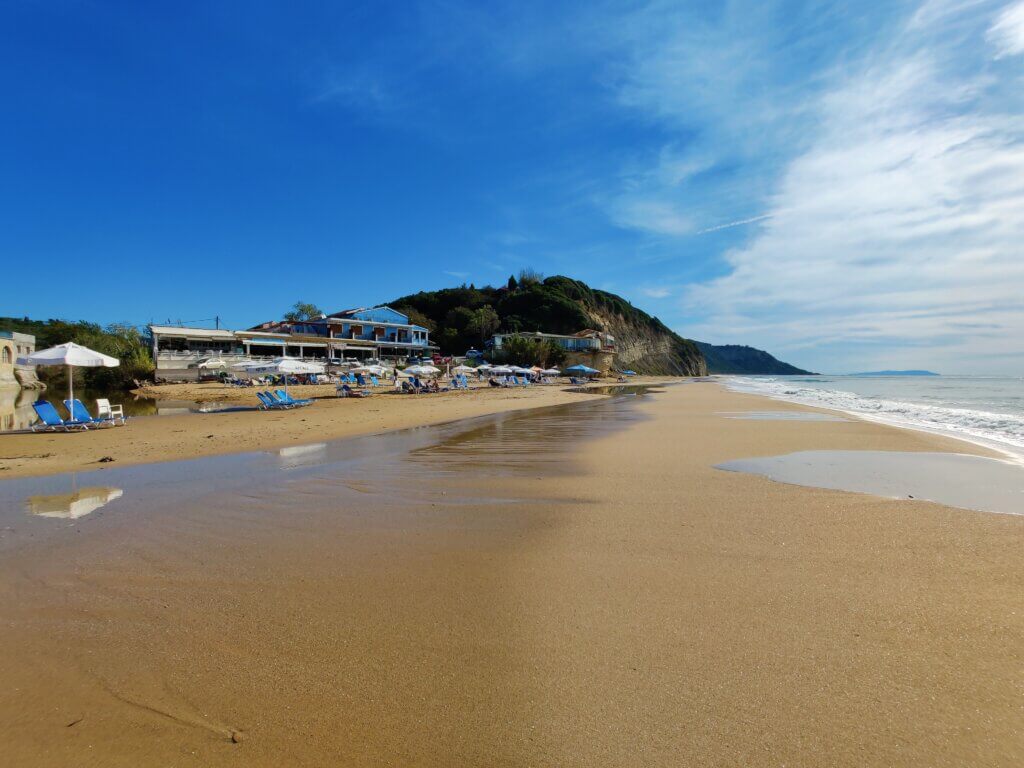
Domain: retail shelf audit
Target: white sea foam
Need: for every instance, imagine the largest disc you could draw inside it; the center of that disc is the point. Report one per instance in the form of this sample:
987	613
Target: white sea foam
1001	429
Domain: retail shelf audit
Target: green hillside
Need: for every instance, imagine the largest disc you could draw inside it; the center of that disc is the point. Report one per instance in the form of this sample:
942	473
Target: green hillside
464	317
735	358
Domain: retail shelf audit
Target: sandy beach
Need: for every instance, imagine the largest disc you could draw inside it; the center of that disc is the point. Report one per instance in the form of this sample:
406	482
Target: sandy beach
171	438
573	586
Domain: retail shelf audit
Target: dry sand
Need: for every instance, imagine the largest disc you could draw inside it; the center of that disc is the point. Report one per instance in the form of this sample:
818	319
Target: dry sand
170	438
640	609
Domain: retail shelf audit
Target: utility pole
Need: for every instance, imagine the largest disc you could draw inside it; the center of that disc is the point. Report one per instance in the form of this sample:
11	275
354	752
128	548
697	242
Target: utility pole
217	322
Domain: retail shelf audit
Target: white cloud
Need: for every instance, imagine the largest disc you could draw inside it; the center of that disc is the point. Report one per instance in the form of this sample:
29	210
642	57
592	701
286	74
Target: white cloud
1007	33
900	226
656	293
650	215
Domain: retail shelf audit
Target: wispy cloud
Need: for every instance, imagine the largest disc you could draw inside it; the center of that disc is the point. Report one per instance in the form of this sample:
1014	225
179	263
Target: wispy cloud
651	215
900	225
1007	33
740	223
456	275
656	293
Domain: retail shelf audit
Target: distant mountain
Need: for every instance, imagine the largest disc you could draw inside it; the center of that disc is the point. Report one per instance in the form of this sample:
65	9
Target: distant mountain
460	318
734	358
896	373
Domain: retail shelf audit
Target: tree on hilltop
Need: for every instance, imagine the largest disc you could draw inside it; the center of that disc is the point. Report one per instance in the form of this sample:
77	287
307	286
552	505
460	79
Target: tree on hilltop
303	311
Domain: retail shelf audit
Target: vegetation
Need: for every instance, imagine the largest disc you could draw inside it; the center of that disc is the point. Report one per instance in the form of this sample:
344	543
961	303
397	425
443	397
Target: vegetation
119	340
302	310
522	350
484	322
733	358
466	316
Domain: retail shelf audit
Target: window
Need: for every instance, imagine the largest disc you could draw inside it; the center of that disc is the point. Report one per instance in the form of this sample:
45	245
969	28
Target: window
7	354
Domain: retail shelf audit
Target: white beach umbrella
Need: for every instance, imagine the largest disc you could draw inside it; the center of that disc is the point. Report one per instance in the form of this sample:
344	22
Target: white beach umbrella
73	356
501	370
463	369
422	370
286	366
376	370
245	364
551	372
520	369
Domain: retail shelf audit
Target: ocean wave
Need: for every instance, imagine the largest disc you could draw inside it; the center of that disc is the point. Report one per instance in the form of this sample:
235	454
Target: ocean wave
1002	431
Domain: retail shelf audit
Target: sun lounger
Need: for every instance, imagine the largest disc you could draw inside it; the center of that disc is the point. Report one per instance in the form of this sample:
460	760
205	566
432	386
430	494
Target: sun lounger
275	398
79	413
349	392
374	381
51	420
284	397
268	403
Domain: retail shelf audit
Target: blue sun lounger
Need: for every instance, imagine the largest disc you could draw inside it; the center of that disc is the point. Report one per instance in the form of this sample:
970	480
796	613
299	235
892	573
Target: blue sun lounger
51	420
80	414
374	380
279	401
284	397
267	403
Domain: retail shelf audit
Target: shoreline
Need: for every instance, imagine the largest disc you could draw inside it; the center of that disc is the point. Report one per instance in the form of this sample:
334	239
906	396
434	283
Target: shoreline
1008	451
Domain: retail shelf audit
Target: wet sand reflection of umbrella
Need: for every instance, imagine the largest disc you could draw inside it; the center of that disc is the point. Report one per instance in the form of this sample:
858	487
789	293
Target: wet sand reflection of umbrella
72	506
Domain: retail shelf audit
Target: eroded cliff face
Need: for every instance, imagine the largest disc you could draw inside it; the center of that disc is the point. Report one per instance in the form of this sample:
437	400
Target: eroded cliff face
650	350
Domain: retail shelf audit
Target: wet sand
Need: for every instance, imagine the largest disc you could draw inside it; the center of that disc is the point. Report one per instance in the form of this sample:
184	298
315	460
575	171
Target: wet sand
572	587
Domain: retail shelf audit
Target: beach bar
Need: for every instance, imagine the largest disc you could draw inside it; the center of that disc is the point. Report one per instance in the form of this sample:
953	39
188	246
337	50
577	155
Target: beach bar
375	333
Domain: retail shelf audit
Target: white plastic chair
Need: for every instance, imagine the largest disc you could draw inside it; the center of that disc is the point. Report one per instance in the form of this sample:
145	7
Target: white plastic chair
107	411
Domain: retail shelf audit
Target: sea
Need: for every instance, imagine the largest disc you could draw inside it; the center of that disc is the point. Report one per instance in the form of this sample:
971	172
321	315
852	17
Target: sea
987	410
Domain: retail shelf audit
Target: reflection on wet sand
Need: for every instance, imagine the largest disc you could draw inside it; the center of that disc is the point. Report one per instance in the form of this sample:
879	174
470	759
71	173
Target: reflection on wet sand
73	505
302	455
16	408
957	480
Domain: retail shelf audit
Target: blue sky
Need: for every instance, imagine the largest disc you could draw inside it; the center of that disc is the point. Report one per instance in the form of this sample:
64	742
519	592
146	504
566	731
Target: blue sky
839	183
